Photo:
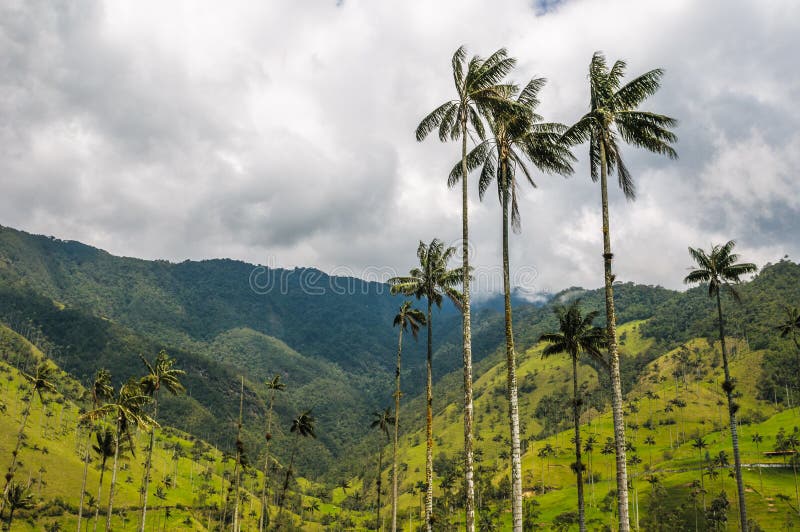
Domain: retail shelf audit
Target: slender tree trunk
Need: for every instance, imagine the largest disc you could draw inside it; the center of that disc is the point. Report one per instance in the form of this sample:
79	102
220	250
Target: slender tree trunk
148	465
613	355
378	485
99	494
236	467
578	463
85	474
396	428
113	474
469	482
732	407
511	366
429	426
282	500
702	482
262	522
15	453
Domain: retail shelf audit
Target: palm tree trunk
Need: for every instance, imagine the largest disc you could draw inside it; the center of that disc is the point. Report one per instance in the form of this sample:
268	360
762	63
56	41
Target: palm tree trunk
236	468
148	464
396	428
15	452
99	494
702	482
262	522
85	474
578	463
469	482
613	354
511	366
378	485
429	426
732	407
113	474
286	482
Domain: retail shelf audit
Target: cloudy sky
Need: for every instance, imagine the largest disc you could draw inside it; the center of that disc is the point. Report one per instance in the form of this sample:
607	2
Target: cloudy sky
281	132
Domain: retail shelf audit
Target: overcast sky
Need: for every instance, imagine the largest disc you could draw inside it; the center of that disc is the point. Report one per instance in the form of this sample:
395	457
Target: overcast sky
282	132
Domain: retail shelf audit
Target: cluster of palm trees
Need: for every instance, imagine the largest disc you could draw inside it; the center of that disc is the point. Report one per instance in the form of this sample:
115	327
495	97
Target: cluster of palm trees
511	137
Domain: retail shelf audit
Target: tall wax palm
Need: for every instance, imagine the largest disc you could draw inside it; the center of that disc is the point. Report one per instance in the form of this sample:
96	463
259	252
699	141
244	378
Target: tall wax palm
239	463
40	382
100	391
160	374
302	427
128	411
720	270
274	386
407	318
381	421
518	137
477	85
701	445
614	118
433	281
577	335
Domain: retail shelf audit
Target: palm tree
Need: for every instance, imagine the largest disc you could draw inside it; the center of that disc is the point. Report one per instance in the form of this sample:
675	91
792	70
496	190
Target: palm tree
18	497
274	386
40	381
381	421
433	281
159	374
476	87
719	270
700	444
517	136
128	409
577	335
613	114
757	439
100	391
302	426
407	318
105	448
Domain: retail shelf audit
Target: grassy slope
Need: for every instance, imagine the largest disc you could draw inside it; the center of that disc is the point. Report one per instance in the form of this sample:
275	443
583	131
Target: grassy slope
53	449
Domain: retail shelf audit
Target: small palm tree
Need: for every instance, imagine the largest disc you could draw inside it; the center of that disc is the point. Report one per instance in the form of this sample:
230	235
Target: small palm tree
701	445
381	421
577	335
477	87
790	327
128	411
407	318
719	270
274	386
757	438
160	374
18	497
100	391
614	116
433	281
40	382
302	427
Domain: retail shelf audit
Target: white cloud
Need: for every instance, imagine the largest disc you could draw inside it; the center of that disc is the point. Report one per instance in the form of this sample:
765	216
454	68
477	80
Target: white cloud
285	130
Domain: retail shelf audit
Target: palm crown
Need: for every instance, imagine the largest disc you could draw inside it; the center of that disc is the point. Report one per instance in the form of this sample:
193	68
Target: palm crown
128	409
432	279
519	135
410	318
477	87
382	421
303	425
613	115
41	379
718	268
161	373
576	334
